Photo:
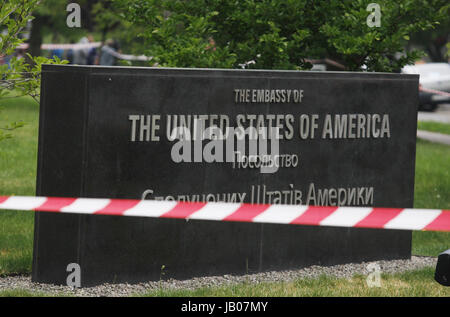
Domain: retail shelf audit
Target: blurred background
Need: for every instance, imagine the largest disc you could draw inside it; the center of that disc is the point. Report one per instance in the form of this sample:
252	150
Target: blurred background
405	36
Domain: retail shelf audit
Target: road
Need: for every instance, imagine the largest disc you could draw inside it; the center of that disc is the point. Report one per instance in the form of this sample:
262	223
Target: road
442	114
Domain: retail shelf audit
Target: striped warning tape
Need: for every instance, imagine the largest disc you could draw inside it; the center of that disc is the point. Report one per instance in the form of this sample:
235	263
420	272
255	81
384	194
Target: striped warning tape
361	217
82	46
434	91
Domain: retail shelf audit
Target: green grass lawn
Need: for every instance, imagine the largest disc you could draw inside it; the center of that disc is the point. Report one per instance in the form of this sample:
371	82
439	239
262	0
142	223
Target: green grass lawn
412	283
22	293
434	126
432	190
17	177
18	155
18	174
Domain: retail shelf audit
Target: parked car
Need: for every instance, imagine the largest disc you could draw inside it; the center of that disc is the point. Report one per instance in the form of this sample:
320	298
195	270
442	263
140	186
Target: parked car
435	76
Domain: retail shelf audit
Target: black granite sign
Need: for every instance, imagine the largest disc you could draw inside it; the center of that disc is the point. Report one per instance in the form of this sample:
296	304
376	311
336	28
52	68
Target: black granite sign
337	139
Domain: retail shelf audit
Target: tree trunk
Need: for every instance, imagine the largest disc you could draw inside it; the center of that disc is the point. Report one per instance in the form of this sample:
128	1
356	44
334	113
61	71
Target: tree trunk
35	41
435	50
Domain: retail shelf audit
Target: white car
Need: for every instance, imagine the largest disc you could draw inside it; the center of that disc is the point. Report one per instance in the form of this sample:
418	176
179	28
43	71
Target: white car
434	76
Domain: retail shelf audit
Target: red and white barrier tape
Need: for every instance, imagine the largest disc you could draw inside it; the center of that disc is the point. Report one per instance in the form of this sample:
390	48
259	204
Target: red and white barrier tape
73	46
433	91
81	46
361	217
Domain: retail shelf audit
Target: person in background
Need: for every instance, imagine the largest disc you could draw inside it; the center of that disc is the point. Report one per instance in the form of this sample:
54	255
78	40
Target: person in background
116	46
80	54
69	54
108	52
92	53
56	52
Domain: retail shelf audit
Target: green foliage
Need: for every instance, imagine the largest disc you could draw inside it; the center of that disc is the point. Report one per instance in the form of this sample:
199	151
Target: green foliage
281	34
22	76
109	22
434	40
14	15
5	129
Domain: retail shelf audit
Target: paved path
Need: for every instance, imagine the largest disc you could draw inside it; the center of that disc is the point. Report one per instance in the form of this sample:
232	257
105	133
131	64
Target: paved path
442	114
434	137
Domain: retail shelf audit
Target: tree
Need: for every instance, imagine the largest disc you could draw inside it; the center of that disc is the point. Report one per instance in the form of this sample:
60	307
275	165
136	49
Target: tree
109	21
434	41
50	18
281	34
19	77
99	17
